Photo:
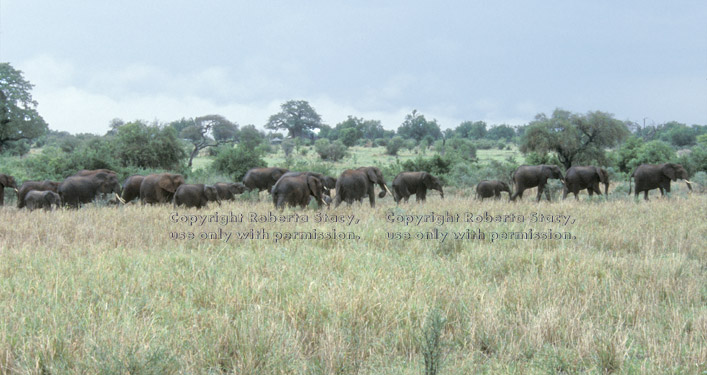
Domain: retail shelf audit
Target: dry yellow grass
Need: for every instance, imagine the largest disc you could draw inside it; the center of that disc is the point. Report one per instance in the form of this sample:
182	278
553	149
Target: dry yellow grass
106	290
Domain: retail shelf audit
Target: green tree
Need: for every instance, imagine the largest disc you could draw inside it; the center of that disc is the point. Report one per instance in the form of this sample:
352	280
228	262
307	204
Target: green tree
207	131
332	151
19	119
501	132
573	137
236	161
297	117
471	130
417	127
653	152
148	146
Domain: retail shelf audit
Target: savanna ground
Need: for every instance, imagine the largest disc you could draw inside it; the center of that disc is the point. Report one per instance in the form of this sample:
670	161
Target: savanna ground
106	290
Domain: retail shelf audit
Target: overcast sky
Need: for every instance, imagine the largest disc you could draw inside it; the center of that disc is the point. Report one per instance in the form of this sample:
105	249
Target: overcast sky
496	61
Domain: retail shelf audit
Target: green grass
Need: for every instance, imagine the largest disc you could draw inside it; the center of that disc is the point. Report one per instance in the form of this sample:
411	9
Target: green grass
105	290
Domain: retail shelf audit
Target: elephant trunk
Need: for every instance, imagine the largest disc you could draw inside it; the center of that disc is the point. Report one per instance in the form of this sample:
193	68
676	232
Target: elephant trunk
606	189
689	184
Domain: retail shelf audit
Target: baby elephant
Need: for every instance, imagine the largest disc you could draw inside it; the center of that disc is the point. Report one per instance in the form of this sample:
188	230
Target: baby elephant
491	188
42	199
195	195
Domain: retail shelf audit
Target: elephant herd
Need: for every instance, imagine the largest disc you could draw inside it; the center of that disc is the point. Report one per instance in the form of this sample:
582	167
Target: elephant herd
298	188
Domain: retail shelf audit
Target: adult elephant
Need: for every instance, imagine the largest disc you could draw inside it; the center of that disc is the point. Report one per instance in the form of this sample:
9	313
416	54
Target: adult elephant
195	195
6	181
262	178
657	176
492	188
90	172
407	183
297	190
131	188
84	189
160	187
355	184
229	190
35	199
530	176
585	177
28	186
327	182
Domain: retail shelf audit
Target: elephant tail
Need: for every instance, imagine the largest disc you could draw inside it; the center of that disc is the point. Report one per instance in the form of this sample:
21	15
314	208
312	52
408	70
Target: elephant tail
629	183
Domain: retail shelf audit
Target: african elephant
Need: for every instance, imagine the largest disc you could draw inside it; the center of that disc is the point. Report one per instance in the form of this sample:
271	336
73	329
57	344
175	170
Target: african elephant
35	199
492	188
6	181
27	186
131	188
407	183
296	190
90	172
529	176
657	176
229	190
585	177
83	189
159	188
195	195
355	184
262	178
328	182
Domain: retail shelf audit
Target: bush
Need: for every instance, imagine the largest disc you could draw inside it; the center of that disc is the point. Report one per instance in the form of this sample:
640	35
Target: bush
236	161
699	182
330	150
394	145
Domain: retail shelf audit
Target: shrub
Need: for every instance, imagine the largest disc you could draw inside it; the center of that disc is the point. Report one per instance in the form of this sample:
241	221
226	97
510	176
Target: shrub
330	150
394	145
236	161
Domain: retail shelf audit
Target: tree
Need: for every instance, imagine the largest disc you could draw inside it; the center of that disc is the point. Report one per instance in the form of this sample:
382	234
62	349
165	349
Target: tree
332	151
297	117
208	131
573	137
499	132
417	127
19	119
471	130
148	146
236	161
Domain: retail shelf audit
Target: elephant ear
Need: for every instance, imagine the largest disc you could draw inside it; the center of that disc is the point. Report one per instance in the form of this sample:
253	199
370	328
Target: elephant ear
314	185
371	172
669	170
167	183
603	175
4	180
276	174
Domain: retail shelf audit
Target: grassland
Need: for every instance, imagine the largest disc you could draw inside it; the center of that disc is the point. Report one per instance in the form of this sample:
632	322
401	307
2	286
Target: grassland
106	290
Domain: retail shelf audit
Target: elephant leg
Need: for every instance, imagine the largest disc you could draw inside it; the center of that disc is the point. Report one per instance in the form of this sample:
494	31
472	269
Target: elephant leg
540	193
371	197
565	191
645	195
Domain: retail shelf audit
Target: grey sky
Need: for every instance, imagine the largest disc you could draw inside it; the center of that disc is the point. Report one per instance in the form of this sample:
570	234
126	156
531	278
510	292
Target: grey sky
500	62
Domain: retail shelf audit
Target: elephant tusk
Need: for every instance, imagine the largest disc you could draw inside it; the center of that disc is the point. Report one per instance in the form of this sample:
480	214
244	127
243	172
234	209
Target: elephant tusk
119	198
386	189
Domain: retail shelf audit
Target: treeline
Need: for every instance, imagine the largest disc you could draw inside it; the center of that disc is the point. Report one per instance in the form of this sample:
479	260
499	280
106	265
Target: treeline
137	147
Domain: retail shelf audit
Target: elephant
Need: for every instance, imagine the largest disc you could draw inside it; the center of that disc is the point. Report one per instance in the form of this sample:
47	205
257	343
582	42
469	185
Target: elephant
657	176
195	195
83	189
585	177
159	188
229	190
27	186
355	184
492	188
529	176
89	172
262	178
131	188
35	199
296	190
328	182
6	181
408	183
